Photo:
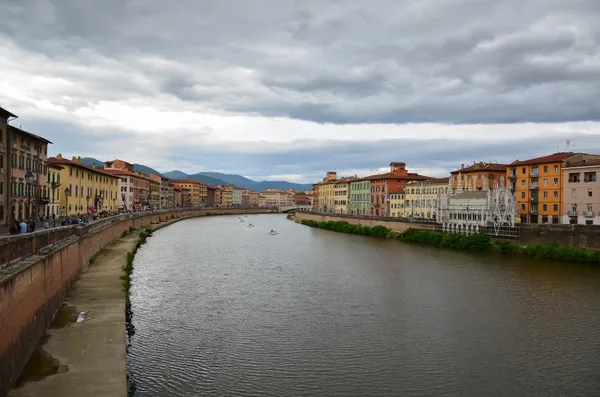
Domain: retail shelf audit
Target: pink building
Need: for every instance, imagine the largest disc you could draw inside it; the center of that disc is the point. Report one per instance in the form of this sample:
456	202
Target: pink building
581	192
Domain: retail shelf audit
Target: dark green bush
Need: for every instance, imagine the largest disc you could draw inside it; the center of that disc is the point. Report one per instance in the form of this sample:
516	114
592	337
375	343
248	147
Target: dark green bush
345	227
473	242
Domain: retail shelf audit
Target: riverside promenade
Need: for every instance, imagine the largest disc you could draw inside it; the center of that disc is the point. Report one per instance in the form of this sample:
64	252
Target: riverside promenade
75	269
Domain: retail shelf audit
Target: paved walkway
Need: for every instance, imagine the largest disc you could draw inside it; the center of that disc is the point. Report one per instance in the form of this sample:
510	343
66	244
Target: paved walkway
93	350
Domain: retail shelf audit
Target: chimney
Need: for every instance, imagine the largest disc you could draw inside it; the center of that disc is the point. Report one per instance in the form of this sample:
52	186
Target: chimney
462	166
94	165
59	156
74	159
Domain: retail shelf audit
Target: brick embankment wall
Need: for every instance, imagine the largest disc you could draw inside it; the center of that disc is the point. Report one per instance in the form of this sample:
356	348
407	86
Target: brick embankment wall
32	290
584	236
397	226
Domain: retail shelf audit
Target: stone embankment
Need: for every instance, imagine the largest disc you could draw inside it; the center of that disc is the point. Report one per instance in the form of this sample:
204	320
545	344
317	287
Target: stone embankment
394	225
36	273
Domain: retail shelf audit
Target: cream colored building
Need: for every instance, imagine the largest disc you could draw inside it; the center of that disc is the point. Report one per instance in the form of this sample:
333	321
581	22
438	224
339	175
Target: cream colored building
54	185
226	195
341	193
421	198
396	204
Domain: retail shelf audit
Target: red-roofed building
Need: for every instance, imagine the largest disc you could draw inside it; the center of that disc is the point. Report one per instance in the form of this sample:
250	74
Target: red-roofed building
382	184
479	176
134	187
581	192
538	185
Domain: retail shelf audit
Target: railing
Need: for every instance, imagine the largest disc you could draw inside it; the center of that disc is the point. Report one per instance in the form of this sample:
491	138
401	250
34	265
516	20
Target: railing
589	214
534	174
512	175
533	211
534	187
572	213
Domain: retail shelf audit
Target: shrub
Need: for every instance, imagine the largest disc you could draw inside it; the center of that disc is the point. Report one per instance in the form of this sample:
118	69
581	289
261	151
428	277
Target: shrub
474	242
345	227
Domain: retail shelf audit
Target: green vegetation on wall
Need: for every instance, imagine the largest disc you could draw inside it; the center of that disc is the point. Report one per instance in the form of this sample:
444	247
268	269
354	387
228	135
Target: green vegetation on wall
128	267
481	242
345	227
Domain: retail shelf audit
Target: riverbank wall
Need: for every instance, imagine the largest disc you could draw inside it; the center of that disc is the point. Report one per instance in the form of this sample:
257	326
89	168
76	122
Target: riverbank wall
39	268
390	223
574	236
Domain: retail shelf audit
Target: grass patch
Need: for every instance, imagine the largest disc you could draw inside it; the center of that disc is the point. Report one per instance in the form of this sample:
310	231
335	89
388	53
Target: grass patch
481	242
345	227
128	267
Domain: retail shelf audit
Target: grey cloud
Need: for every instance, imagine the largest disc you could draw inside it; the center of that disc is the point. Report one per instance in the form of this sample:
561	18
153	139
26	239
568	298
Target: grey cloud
329	61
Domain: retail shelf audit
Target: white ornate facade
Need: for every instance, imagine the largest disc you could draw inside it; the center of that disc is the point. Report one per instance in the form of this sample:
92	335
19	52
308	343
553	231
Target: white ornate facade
466	211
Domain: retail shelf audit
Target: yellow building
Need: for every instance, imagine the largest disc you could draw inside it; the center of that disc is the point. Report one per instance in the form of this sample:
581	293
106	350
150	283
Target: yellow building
326	196
341	193
538	185
198	190
54	185
226	195
396	204
84	188
421	198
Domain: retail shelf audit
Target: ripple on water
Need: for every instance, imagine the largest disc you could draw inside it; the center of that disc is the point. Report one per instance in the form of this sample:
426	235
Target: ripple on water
224	310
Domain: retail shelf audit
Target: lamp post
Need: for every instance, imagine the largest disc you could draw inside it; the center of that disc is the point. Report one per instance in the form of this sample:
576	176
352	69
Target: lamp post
124	204
67	195
29	179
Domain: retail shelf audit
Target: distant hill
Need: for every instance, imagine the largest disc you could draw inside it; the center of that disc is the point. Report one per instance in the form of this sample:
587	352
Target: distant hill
213	178
175	174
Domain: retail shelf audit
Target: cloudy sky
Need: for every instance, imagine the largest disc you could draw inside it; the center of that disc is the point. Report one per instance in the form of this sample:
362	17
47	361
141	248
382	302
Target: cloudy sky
284	89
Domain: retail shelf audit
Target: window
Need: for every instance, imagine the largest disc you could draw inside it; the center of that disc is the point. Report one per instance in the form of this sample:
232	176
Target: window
574	177
545	181
589	208
555	181
589	192
556	194
589	177
523	171
522	207
70	171
556	168
545	168
545	194
545	207
522	194
21	162
523	182
555	207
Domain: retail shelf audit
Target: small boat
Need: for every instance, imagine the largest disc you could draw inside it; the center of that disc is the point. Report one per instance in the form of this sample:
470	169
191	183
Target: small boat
250	225
273	232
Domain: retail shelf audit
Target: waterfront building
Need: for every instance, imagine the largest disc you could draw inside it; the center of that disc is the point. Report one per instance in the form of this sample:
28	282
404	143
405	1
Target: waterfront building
213	195
276	198
236	196
301	198
421	198
5	174
473	176
53	183
155	191
315	197
198	190
28	194
581	192
538	185
360	197
164	190
253	198
262	200
226	195
382	184
396	204
474	211
134	186
85	189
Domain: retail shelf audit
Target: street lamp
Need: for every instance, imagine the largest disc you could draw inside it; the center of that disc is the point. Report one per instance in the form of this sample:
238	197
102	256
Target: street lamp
29	179
67	195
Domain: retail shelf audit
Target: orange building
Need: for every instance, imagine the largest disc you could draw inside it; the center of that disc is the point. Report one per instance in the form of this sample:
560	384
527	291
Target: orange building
538	186
479	175
198	190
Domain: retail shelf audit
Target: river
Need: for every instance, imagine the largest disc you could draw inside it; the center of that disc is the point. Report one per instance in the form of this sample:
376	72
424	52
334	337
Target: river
221	309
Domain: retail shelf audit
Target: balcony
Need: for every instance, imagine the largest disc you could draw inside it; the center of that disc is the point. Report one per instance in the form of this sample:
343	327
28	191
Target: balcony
572	213
533	211
534	187
534	199
512	175
588	214
534	174
44	200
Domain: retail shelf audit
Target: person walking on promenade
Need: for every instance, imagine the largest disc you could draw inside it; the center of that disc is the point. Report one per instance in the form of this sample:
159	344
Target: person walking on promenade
32	225
14	227
22	227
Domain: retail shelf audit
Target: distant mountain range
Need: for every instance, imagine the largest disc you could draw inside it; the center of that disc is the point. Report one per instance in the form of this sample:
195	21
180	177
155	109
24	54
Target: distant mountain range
213	178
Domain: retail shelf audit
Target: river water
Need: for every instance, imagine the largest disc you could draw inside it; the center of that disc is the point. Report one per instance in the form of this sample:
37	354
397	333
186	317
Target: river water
221	309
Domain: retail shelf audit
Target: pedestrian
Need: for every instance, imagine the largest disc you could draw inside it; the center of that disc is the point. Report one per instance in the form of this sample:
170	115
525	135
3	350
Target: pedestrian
53	220
46	224
32	225
14	227
22	227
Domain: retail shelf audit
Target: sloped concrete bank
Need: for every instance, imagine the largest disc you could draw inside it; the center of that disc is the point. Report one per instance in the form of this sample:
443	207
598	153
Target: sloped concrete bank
33	289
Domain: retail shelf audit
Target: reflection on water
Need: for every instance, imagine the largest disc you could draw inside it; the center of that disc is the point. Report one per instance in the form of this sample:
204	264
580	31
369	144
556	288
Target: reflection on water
40	365
226	310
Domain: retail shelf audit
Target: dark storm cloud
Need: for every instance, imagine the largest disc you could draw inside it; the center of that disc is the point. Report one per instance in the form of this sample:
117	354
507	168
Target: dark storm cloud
465	61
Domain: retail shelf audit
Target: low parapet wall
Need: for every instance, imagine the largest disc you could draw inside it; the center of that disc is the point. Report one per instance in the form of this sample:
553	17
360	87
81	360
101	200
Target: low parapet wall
32	289
395	225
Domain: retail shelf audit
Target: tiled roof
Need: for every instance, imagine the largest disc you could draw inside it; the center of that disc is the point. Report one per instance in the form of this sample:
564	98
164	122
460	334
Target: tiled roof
63	161
552	158
470	195
188	181
586	162
391	175
481	166
34	136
